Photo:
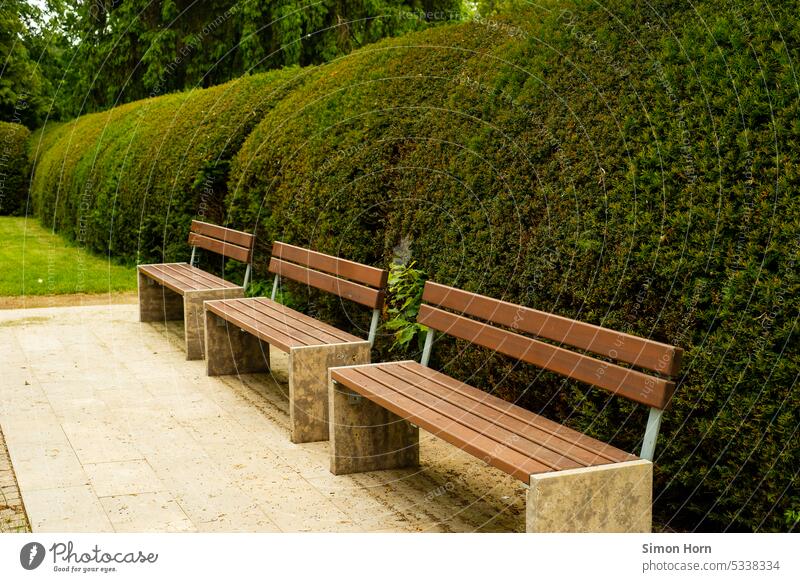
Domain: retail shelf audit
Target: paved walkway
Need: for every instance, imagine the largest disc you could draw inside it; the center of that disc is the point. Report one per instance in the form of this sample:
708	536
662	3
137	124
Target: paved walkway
109	428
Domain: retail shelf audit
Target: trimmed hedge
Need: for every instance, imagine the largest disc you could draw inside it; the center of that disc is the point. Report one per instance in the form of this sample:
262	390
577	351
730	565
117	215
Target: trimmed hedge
128	181
14	168
627	167
42	139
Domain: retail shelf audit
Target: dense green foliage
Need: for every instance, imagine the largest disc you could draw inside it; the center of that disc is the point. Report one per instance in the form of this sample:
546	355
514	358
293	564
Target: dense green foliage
22	85
82	56
632	164
14	168
128	181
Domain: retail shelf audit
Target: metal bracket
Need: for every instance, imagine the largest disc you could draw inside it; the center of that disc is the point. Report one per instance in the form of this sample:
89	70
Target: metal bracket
275	287
247	276
191	259
354	398
426	350
651	434
373	326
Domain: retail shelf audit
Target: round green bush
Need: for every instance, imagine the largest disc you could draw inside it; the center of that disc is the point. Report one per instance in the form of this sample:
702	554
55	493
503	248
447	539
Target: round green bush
628	164
14	168
128	181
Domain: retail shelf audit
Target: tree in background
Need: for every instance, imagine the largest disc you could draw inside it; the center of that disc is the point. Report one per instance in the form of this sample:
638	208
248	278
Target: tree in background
81	56
21	84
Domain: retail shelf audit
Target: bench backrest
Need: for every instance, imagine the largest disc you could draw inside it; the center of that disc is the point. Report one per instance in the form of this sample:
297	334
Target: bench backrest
350	280
230	243
470	308
360	283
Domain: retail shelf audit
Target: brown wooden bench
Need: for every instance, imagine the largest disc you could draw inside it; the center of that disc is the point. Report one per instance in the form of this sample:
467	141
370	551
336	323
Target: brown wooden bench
171	291
576	482
240	331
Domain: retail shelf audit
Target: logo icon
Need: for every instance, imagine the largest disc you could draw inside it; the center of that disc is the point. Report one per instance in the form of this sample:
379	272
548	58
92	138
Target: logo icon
32	555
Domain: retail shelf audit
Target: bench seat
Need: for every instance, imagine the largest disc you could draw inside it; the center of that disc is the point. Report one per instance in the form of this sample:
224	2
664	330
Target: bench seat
238	336
171	291
182	277
277	324
513	439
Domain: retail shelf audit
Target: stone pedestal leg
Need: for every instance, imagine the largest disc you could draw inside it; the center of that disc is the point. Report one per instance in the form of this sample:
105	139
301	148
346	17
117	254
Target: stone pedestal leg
367	437
607	498
230	350
194	317
308	385
156	302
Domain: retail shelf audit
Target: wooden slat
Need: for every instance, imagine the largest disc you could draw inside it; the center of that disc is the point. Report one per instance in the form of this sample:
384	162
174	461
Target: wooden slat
261	330
221	248
559	438
179	277
346	289
465	438
342	268
470	418
173	273
228	235
301	320
271	328
166	279
649	354
276	328
201	279
514	412
631	384
308	332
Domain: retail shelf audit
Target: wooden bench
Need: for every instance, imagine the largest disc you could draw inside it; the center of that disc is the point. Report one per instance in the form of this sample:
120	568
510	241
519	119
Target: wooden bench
575	482
240	331
171	291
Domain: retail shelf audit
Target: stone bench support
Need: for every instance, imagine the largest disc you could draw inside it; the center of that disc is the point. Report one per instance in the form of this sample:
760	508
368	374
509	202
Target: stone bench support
605	499
308	385
231	350
366	437
157	302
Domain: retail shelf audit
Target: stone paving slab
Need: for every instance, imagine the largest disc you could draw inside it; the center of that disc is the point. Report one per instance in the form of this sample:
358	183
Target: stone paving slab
110	428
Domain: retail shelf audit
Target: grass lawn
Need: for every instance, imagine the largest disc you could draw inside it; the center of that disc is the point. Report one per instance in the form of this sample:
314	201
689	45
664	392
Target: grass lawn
34	261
